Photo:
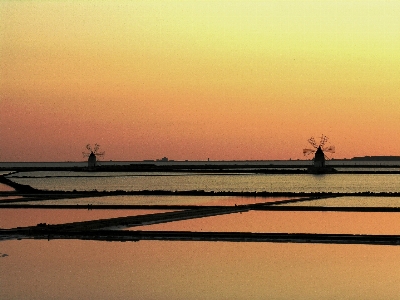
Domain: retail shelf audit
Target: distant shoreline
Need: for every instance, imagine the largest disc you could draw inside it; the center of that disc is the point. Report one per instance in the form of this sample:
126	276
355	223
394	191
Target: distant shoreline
358	162
279	167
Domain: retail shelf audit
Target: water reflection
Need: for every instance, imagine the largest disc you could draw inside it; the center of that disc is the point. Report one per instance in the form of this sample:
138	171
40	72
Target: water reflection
244	182
162	200
351	202
5	188
5	198
289	222
196	270
12	218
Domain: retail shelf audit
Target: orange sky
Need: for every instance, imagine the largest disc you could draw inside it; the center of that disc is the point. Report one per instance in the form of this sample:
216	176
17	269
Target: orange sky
198	79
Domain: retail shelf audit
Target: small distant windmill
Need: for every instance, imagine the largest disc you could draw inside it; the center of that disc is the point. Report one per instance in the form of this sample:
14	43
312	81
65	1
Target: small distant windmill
93	155
319	149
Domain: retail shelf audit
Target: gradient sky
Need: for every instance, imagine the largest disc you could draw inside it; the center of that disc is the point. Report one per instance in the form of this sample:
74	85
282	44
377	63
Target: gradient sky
225	80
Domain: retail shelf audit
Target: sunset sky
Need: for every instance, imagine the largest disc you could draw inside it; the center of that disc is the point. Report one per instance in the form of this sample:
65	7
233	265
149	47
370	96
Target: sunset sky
225	80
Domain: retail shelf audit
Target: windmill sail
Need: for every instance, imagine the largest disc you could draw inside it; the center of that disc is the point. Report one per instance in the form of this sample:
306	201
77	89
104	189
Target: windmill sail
323	140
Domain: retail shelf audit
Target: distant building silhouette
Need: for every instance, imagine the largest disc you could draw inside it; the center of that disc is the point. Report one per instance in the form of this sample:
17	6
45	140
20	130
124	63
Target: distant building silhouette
164	159
318	166
92	161
377	158
319	158
92	155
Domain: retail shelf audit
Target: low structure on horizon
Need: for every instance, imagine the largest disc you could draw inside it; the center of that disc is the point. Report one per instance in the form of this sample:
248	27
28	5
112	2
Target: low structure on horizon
319	166
319	158
92	161
92	155
377	158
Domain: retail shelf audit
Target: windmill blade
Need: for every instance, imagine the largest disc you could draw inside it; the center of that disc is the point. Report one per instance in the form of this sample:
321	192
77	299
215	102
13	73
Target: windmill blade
327	157
100	153
93	151
323	140
312	142
308	151
330	149
96	147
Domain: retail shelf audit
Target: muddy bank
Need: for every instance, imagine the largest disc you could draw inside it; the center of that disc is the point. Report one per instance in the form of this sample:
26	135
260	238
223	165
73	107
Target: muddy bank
17	186
135	236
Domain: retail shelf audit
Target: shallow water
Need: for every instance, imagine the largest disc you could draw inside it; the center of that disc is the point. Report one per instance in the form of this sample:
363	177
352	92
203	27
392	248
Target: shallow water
7	197
72	269
288	222
5	188
12	218
162	200
75	269
351	202
221	182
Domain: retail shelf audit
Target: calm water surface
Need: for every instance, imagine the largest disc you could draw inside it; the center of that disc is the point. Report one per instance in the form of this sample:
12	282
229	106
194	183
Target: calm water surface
289	222
161	200
12	218
70	181
74	269
349	201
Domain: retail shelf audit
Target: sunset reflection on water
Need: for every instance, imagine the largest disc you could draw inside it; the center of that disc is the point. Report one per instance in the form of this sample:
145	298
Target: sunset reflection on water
64	269
289	222
351	201
5	188
12	218
162	200
70	269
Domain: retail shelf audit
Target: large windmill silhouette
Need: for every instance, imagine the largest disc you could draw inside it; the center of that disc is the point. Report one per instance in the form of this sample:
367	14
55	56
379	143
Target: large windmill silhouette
319	149
93	155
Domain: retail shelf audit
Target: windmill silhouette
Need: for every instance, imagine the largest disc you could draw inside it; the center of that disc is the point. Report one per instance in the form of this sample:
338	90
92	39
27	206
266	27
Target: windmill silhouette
319	149
93	155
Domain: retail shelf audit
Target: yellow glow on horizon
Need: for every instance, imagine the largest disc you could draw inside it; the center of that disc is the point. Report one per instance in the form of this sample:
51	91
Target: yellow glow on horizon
232	71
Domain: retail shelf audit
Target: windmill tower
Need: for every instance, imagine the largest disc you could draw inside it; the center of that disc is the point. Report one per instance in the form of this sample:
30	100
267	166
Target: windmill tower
319	150
92	155
319	158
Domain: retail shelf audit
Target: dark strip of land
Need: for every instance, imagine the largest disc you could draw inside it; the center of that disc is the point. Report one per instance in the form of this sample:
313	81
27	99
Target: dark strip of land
36	195
125	236
239	167
275	207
